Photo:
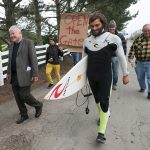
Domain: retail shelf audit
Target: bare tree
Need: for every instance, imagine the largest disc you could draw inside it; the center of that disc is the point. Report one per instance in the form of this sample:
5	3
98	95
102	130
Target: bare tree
38	21
10	7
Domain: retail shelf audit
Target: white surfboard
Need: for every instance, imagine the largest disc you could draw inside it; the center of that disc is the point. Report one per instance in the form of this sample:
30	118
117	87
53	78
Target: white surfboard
71	83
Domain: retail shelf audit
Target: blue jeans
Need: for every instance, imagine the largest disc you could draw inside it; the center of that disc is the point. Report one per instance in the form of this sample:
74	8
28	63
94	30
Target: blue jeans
143	74
115	68
75	57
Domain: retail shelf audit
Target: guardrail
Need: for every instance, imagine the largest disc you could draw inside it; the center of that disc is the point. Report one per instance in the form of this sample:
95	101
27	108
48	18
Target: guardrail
41	56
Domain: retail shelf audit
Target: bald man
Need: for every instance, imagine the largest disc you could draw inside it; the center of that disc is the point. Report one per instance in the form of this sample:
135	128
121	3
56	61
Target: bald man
140	49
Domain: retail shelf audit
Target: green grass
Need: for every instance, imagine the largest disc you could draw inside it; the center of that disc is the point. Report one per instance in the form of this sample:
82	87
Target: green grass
3	47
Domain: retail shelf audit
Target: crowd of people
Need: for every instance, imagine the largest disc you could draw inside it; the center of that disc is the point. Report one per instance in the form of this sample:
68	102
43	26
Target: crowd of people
106	49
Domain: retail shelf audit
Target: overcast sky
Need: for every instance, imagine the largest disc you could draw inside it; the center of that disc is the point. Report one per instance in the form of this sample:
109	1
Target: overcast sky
143	17
135	24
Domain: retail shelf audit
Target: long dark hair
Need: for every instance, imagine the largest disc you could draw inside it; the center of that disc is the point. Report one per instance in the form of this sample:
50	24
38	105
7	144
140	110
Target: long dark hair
101	17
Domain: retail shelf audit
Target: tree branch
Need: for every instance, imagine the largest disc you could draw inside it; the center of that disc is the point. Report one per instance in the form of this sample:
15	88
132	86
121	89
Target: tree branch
16	2
5	40
45	10
63	9
50	17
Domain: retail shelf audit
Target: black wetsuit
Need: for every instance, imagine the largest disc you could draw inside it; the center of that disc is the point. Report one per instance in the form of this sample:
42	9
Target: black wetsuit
99	73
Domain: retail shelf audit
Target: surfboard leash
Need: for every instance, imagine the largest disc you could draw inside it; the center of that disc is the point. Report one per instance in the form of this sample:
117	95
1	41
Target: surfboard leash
87	110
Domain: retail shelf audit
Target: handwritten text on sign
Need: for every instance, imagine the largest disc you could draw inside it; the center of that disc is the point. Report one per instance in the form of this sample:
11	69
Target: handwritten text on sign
73	29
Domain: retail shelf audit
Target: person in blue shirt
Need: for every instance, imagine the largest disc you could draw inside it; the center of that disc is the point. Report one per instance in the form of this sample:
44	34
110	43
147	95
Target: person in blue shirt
75	57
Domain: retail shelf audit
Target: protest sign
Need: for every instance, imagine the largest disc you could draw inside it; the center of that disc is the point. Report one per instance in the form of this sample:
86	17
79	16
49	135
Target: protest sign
73	30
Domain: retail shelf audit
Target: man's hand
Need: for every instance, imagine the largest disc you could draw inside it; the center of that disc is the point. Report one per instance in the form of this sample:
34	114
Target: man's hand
34	79
125	79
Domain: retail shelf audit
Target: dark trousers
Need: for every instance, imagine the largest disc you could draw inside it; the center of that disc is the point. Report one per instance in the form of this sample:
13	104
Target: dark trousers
22	96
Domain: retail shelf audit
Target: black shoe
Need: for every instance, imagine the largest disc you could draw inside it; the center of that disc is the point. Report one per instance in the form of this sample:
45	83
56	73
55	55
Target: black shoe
100	138
148	96
141	90
38	111
22	119
50	85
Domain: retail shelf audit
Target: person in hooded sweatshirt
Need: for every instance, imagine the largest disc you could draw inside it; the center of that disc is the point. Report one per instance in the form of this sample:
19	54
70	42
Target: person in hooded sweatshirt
112	28
53	61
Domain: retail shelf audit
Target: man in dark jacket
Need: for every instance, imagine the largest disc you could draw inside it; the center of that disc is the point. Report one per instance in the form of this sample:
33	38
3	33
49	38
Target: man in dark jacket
22	71
53	55
112	27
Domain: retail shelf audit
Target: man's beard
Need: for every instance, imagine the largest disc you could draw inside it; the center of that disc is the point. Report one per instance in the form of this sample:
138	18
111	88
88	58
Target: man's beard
97	33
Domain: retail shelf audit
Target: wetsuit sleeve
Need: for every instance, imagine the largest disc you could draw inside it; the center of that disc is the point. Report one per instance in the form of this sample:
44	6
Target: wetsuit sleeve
83	51
124	42
121	56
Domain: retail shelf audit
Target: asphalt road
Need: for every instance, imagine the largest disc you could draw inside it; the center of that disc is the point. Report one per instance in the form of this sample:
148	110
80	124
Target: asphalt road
64	126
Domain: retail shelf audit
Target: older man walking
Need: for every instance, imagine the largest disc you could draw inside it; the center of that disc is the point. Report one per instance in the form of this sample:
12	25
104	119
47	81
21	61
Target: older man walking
22	71
141	51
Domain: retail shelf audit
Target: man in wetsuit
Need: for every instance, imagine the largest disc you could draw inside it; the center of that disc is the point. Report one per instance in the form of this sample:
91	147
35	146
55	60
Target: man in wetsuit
99	47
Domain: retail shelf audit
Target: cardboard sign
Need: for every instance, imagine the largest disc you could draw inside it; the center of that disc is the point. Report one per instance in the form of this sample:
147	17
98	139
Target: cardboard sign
73	30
